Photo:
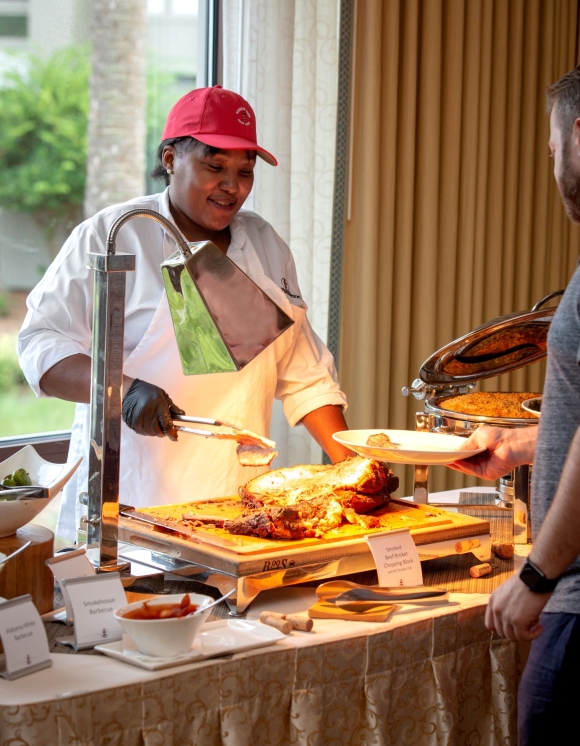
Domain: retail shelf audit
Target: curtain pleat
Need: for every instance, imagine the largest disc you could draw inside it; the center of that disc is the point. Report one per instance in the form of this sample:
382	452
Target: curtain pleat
455	216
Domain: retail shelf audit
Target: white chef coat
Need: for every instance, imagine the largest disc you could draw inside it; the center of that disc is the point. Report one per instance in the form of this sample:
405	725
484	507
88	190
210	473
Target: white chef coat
297	368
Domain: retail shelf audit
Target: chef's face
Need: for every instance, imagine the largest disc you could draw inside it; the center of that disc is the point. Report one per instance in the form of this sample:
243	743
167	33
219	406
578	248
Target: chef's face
209	189
565	149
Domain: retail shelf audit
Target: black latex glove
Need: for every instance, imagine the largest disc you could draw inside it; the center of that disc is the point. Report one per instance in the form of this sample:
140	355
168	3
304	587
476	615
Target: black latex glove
148	410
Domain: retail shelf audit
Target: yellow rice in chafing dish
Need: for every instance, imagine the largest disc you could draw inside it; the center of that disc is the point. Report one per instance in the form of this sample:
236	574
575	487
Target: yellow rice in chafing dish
490	404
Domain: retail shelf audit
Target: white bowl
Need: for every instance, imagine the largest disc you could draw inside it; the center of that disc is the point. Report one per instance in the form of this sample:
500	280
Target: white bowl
533	406
16	513
164	638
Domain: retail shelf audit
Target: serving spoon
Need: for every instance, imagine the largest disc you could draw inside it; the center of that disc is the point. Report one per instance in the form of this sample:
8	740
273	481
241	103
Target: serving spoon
360	599
213	603
349	592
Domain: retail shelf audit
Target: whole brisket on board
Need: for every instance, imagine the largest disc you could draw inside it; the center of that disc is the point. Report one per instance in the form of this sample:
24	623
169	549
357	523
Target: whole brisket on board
304	501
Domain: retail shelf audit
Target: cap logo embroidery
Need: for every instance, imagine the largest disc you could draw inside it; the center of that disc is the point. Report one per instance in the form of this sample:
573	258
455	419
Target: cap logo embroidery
243	116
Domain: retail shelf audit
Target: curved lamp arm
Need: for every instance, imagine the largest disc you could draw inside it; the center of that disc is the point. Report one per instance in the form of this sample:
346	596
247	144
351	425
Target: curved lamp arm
143	213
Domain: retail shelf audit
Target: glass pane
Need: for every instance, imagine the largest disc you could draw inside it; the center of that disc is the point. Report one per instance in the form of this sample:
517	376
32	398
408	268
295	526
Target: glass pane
13	26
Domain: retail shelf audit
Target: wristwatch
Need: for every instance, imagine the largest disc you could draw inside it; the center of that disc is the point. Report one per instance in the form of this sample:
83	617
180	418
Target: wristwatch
535	579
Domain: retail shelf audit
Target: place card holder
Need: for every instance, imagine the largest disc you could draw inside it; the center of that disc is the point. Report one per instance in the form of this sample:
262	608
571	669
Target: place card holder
396	558
93	600
23	638
74	564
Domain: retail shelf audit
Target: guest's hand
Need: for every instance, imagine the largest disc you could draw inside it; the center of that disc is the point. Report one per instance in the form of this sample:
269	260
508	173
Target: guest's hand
514	610
506	448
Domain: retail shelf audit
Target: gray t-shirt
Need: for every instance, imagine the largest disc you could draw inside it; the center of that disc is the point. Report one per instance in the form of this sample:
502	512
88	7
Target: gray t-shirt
558	424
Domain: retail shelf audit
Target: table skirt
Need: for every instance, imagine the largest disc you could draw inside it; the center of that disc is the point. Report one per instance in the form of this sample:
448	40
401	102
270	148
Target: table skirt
442	681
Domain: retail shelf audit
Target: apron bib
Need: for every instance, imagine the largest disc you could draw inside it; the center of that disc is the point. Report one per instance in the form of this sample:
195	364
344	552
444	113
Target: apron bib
158	471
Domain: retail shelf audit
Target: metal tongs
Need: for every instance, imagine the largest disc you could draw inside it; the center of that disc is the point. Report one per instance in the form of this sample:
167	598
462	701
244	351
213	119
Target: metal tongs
201	421
26	493
252	449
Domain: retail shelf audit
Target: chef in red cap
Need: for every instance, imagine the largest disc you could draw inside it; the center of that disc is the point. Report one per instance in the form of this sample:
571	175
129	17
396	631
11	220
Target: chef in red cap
207	157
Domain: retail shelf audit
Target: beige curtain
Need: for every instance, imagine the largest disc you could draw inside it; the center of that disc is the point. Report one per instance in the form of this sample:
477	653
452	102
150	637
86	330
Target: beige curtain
454	215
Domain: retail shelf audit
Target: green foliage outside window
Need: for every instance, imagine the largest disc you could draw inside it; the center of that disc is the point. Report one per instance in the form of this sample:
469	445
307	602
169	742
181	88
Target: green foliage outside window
43	150
10	374
43	137
164	88
20	411
43	133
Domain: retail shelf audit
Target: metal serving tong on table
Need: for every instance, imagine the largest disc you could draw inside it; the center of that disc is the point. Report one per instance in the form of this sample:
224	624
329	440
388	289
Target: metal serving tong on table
27	492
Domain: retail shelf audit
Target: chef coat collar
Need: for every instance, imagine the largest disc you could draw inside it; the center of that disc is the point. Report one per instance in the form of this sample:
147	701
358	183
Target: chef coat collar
237	234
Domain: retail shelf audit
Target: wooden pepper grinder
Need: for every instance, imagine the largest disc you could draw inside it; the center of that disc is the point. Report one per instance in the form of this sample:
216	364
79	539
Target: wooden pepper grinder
27	572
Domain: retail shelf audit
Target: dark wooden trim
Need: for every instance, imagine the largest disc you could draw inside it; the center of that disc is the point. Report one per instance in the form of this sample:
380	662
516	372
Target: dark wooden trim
341	174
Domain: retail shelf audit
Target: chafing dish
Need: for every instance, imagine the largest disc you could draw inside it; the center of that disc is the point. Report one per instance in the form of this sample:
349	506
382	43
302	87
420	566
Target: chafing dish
499	346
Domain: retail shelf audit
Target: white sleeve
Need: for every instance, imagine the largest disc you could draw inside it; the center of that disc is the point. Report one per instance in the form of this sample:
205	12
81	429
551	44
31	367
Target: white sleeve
307	377
58	322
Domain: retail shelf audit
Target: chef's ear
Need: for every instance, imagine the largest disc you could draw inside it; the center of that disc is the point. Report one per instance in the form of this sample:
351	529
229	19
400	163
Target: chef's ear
168	158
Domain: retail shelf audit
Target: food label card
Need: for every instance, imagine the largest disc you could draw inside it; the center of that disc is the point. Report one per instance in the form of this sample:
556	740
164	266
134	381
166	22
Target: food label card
74	564
396	558
93	600
23	637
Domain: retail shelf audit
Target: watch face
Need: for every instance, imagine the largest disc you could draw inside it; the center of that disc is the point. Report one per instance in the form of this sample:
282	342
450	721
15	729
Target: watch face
530	576
536	580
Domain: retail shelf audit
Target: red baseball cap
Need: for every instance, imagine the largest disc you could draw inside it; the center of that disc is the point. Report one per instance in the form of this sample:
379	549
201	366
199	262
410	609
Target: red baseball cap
216	117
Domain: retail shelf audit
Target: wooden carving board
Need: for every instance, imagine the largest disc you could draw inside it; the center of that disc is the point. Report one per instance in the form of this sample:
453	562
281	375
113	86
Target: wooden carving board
426	523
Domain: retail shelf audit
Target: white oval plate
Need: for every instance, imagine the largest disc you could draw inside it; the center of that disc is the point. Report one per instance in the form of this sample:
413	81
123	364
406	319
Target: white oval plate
411	447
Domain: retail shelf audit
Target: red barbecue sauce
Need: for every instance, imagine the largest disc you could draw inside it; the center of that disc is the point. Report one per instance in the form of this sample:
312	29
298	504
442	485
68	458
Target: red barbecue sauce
148	610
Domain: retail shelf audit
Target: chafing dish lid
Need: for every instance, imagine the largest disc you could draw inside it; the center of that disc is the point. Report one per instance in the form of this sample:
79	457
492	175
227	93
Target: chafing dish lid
499	346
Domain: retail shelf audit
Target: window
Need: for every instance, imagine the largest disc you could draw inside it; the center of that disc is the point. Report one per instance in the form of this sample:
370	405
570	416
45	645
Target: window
13	26
38	51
